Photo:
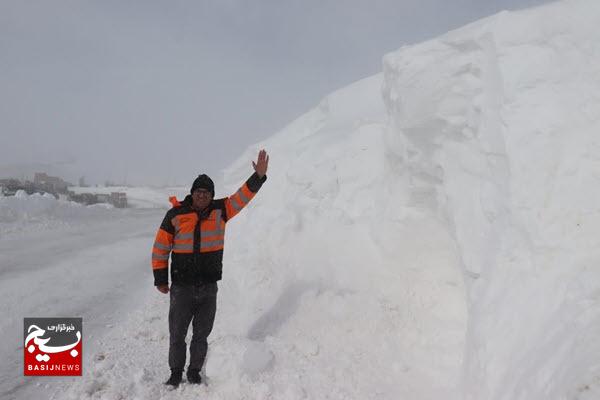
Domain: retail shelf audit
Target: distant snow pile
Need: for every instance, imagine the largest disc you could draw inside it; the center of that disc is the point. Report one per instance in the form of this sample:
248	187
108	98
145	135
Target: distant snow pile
35	207
23	212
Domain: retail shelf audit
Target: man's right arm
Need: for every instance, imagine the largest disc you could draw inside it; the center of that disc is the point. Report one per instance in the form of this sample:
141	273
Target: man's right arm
160	254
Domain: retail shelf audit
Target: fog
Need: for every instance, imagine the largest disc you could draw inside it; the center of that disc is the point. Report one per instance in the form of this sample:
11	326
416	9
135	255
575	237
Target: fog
157	92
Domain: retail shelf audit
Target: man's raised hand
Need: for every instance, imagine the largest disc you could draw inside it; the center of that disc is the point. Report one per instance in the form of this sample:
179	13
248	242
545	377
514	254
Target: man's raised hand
262	163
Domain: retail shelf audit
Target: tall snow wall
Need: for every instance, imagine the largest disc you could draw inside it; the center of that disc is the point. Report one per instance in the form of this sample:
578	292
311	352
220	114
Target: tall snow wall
501	119
432	232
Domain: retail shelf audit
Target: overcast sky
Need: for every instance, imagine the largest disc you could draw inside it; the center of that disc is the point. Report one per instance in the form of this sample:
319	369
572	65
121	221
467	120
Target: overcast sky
157	92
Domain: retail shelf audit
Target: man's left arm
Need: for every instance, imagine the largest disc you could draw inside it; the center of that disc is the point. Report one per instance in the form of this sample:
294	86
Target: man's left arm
237	201
240	199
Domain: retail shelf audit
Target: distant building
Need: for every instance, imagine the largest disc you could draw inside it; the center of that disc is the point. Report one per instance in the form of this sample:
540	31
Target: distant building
11	186
83	198
118	199
51	184
82	182
103	198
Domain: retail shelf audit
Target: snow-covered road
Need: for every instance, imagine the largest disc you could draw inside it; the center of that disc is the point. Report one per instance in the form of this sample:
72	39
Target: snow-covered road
92	267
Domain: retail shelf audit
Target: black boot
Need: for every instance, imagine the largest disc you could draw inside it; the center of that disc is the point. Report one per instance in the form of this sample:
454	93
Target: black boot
175	378
193	376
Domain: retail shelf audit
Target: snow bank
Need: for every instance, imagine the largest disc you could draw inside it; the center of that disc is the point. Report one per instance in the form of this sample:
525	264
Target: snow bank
24	212
350	285
499	121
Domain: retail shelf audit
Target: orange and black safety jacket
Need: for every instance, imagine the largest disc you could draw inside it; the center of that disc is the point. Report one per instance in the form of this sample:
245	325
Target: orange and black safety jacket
195	240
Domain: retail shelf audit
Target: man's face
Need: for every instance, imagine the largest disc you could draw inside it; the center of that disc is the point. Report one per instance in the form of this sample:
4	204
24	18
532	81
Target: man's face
201	198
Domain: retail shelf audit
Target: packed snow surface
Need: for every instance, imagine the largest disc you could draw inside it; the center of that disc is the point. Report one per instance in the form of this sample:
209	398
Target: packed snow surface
430	232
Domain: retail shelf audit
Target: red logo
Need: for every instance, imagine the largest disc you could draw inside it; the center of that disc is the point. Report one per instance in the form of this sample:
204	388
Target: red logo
52	346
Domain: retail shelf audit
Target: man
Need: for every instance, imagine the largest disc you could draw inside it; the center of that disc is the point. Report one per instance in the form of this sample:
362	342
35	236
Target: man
193	233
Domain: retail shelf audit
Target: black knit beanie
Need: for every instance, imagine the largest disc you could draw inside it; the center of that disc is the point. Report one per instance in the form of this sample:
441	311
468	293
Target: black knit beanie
203	182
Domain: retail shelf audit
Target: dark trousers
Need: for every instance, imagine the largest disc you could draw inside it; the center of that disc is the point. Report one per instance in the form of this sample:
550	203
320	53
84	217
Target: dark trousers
196	304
